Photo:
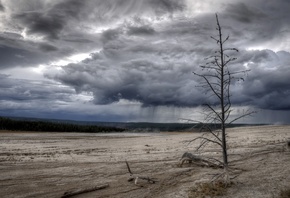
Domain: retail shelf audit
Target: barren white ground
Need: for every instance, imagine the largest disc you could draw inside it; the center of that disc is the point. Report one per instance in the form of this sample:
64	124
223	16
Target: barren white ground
49	164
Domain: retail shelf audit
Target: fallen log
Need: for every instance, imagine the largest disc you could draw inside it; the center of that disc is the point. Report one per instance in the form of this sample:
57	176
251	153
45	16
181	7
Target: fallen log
81	191
190	158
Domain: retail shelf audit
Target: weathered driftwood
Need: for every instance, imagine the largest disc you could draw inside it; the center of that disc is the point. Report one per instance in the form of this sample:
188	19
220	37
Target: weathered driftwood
209	162
81	191
135	177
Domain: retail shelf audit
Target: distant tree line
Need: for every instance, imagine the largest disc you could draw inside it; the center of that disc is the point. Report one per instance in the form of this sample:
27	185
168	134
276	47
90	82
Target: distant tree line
24	125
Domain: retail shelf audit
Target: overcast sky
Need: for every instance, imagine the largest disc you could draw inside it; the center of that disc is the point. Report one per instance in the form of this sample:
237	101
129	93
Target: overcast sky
132	60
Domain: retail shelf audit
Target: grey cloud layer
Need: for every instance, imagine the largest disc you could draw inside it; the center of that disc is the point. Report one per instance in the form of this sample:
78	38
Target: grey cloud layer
69	26
255	23
153	64
17	90
268	86
146	50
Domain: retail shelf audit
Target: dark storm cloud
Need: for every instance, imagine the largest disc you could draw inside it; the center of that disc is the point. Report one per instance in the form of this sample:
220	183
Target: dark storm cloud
16	90
47	48
111	10
253	23
32	98
67	26
52	22
2	8
39	24
56	20
158	75
143	30
132	72
243	13
135	81
267	85
43	32
13	57
14	51
145	50
167	5
154	70
68	8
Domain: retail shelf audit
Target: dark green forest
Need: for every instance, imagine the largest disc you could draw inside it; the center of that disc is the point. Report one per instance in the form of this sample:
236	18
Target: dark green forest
25	125
52	125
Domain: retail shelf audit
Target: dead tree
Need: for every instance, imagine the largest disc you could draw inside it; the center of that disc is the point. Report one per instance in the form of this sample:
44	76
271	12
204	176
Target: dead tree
135	177
217	78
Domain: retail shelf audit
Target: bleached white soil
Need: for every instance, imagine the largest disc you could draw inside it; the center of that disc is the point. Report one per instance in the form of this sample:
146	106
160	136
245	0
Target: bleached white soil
49	164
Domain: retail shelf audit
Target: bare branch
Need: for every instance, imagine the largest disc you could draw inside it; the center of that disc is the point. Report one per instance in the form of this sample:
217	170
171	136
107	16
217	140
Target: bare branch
226	39
216	136
128	167
212	109
231	49
211	87
215	39
239	72
228	61
204	138
209	67
242	116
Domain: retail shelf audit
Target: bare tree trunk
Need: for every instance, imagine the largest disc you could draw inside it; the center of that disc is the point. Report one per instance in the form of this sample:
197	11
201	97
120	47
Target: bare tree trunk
222	96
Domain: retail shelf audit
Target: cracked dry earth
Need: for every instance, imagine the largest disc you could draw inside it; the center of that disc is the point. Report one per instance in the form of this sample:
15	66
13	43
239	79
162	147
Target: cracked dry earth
49	164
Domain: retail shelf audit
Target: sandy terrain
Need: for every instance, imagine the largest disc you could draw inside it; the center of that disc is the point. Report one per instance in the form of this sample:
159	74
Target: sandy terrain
49	164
